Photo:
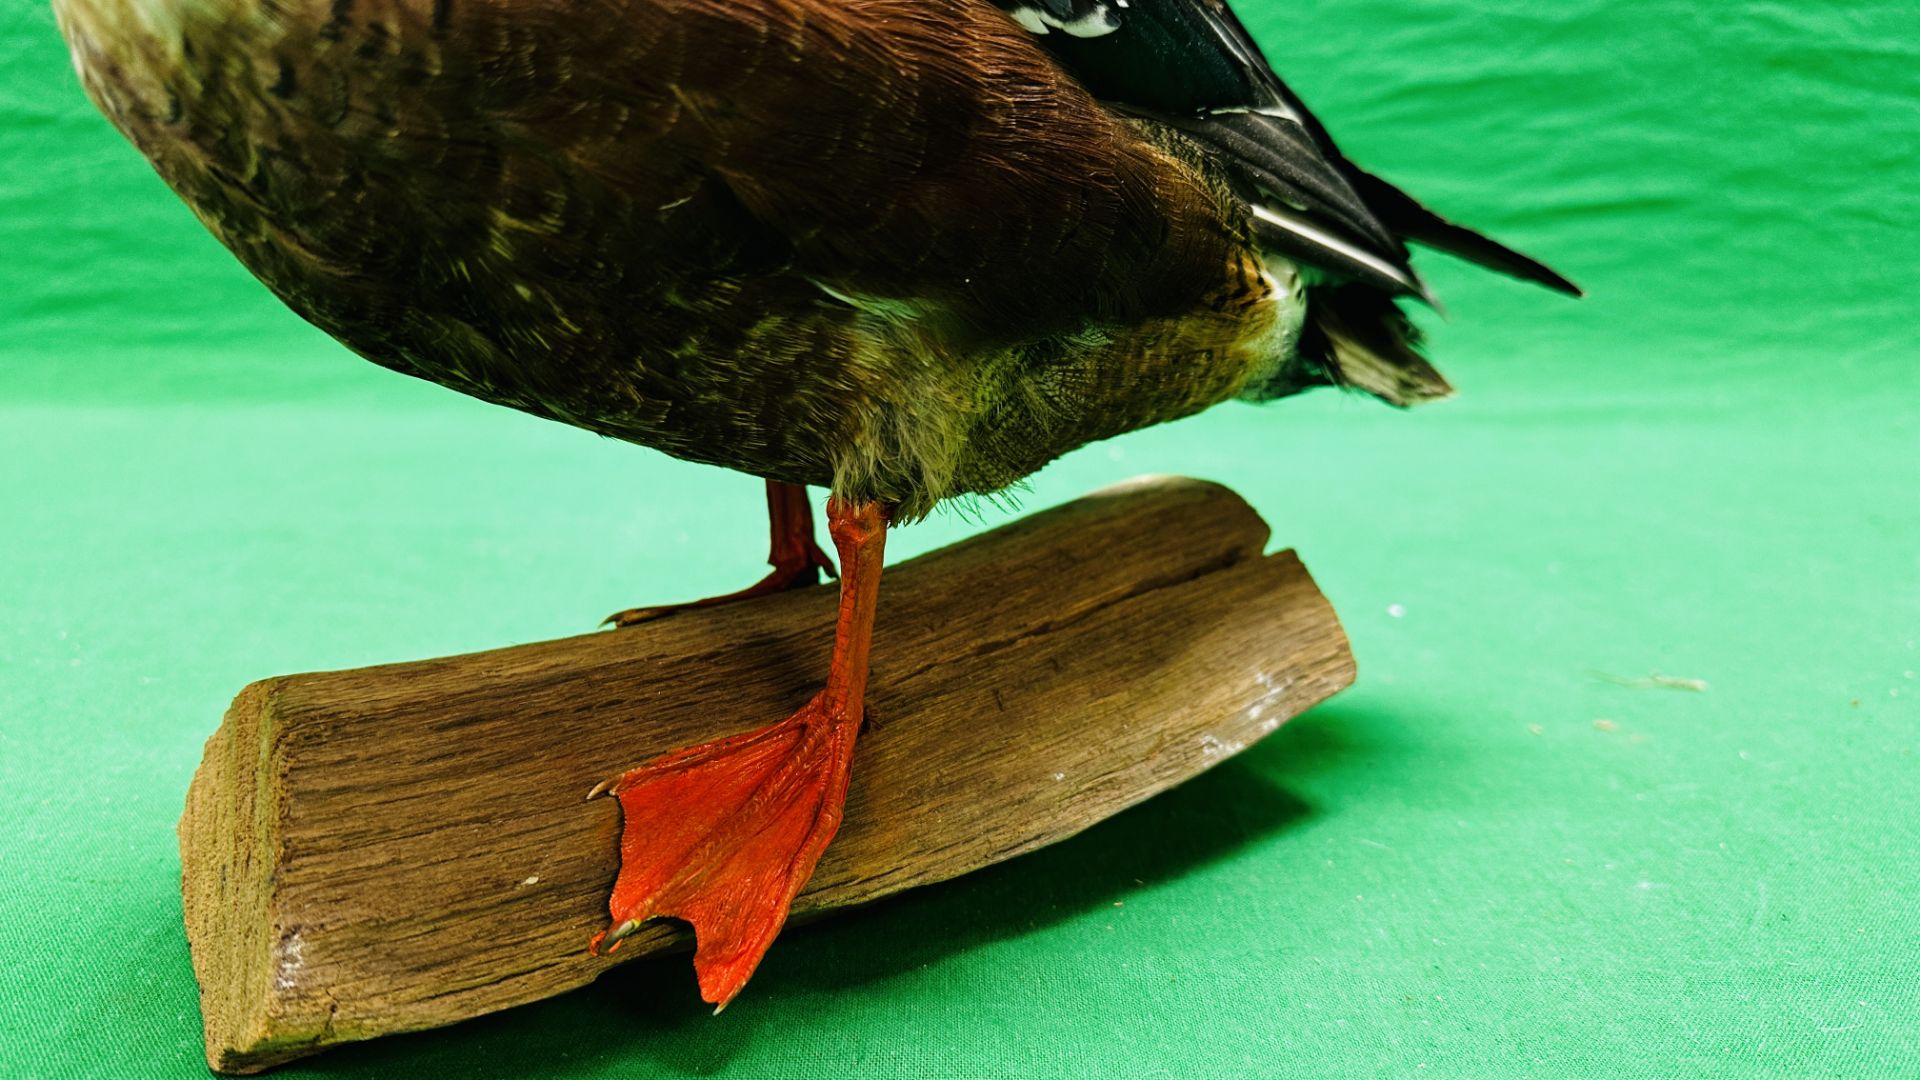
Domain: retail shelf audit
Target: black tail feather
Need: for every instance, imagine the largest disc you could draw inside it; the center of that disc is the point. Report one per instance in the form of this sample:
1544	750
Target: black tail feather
1303	204
1406	217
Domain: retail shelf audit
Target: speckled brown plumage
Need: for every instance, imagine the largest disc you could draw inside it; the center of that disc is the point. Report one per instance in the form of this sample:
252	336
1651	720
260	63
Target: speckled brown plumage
894	247
816	243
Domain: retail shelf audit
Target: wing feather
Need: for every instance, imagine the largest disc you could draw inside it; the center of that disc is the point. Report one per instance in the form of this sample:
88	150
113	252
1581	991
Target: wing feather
1192	64
983	182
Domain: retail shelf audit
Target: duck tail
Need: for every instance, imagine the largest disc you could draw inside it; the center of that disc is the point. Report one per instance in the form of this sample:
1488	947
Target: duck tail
1356	337
1411	221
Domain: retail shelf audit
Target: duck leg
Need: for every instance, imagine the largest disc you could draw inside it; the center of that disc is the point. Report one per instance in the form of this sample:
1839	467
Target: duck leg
723	835
796	559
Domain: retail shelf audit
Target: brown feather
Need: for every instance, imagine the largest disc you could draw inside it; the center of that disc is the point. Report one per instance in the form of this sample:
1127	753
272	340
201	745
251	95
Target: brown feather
885	245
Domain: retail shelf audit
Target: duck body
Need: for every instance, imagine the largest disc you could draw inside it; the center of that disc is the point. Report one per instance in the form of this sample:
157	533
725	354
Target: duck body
891	247
903	249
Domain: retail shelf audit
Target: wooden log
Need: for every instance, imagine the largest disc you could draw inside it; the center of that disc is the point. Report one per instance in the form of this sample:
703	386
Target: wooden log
400	847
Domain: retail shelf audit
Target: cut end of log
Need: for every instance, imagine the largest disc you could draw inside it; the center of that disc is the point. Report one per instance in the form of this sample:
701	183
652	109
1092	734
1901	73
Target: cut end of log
228	833
401	847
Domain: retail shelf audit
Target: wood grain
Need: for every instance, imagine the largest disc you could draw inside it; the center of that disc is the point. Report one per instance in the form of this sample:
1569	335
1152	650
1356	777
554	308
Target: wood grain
405	846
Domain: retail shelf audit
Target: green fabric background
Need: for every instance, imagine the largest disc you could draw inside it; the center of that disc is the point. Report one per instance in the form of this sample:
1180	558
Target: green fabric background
1706	470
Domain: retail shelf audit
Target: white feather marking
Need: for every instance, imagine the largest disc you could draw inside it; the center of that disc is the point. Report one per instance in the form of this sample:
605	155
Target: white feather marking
1333	243
1030	20
1276	349
1096	23
1278	108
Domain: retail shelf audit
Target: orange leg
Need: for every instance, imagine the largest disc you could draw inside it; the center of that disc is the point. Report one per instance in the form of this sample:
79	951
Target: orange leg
723	835
796	559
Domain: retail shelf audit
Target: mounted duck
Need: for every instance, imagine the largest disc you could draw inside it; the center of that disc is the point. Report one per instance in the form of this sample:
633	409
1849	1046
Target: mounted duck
905	250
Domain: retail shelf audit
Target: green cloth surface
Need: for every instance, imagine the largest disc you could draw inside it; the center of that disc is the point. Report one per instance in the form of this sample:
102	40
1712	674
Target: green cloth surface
1499	854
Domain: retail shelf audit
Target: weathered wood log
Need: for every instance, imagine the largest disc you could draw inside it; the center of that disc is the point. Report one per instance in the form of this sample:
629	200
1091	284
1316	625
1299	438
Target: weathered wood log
399	847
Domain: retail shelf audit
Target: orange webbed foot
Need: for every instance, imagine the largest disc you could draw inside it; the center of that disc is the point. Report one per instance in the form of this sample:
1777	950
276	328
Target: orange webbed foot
723	835
797	559
800	570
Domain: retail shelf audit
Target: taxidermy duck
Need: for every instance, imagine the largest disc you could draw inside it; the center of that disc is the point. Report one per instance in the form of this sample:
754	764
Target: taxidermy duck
905	250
